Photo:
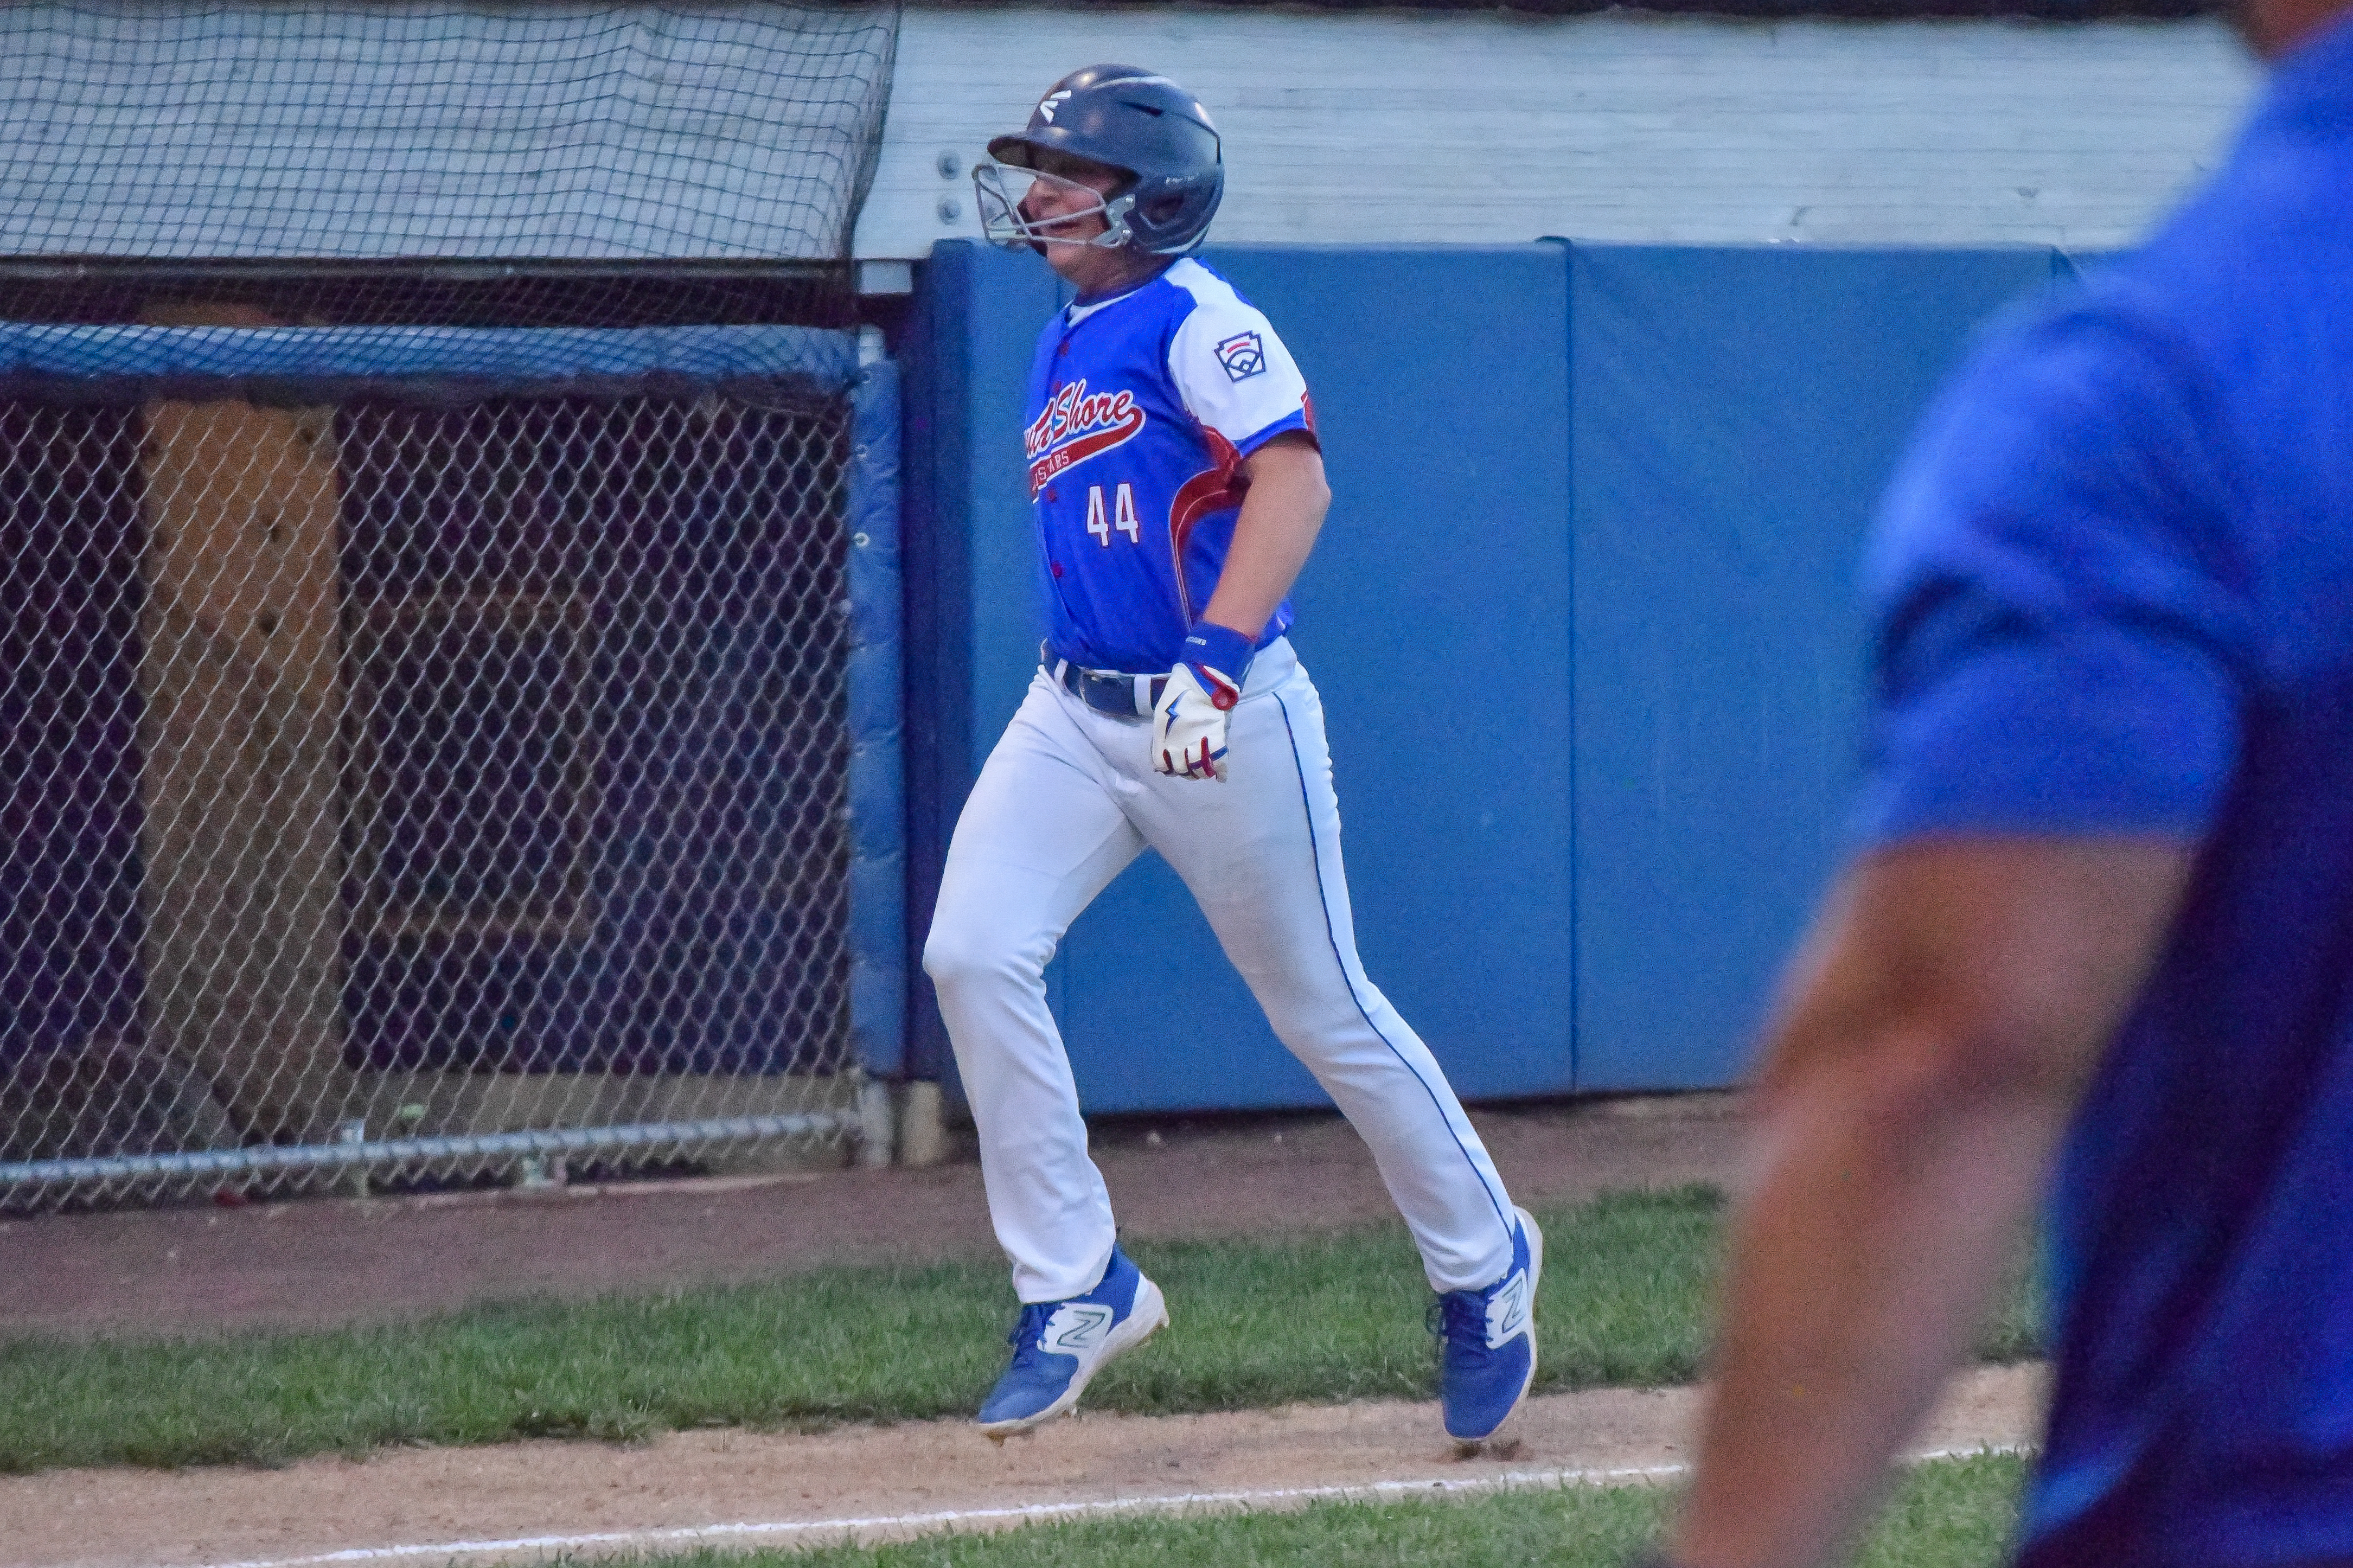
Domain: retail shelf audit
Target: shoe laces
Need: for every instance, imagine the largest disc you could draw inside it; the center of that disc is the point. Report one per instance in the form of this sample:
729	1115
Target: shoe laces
1030	1329
1459	1319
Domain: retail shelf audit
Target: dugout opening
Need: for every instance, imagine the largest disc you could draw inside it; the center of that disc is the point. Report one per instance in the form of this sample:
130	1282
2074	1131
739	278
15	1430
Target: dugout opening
421	734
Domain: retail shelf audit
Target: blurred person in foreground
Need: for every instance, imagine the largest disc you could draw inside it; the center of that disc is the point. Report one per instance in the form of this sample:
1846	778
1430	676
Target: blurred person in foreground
2100	934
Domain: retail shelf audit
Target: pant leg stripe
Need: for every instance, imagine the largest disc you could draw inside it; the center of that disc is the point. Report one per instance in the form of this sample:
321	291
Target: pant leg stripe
1330	934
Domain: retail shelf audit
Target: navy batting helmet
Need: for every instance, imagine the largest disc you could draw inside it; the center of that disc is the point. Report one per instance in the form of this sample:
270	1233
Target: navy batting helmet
1130	120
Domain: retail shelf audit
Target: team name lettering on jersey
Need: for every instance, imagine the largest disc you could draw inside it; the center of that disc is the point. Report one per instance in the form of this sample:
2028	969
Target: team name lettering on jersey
1075	426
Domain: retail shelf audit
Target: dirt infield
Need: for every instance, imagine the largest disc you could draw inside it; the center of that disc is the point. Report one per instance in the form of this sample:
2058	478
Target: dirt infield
328	1262
737	1488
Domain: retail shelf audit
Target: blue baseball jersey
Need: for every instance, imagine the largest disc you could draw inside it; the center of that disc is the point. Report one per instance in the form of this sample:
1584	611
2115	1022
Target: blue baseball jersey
2113	580
1141	407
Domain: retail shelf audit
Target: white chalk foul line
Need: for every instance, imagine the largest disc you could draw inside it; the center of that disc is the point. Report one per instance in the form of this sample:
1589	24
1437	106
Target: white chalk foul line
1167	1502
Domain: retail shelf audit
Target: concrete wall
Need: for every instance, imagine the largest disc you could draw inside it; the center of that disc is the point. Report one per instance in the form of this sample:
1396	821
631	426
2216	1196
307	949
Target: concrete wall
1484	128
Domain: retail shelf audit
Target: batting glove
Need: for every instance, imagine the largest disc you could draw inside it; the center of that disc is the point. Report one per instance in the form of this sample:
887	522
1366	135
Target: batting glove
1188	722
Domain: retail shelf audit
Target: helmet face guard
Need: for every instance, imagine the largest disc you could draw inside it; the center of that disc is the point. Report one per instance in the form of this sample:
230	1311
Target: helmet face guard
1143	126
1000	189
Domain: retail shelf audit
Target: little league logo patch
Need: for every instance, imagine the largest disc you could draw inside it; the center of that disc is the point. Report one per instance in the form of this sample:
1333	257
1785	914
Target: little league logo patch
1243	356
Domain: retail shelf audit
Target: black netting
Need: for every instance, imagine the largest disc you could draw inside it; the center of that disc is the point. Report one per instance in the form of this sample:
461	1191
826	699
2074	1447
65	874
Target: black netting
395	771
419	161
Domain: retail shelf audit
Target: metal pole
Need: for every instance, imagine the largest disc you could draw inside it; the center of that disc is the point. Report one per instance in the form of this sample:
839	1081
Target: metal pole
392	1151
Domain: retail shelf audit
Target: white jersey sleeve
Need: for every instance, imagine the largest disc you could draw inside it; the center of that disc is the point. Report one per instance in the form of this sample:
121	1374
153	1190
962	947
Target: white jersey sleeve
1233	373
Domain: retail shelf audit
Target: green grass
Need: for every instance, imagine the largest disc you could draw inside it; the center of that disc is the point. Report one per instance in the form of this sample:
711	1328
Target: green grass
1955	1515
1255	1324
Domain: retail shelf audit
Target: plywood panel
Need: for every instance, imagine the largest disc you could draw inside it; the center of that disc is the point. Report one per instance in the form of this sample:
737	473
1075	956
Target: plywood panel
239	675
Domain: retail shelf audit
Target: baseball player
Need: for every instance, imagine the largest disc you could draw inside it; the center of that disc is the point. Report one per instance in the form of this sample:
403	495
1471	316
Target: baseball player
1177	487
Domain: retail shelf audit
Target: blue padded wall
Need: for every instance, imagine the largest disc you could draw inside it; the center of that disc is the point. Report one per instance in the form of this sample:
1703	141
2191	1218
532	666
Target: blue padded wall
972	605
1582	615
1433	618
1736	412
878	776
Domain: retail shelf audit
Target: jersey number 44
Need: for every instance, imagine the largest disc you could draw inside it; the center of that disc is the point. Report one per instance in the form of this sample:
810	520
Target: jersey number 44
1123	518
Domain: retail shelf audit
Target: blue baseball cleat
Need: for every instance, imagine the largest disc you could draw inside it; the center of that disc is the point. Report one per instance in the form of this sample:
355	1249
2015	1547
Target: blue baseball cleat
1058	1345
1487	1342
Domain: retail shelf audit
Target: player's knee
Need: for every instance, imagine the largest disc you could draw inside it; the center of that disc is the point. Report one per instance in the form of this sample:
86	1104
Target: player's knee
971	954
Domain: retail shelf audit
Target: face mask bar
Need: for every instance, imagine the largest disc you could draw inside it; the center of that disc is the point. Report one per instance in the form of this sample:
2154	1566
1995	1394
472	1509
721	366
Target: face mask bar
999	189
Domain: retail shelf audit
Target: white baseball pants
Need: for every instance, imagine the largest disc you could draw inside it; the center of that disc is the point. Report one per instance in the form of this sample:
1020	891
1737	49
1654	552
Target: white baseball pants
1067	800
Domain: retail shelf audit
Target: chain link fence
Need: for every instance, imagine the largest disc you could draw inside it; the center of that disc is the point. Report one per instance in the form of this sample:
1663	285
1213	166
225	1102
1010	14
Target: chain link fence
421	793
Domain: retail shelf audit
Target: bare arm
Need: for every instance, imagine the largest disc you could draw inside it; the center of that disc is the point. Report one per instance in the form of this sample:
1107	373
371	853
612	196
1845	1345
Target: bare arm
1950	1006
1281	513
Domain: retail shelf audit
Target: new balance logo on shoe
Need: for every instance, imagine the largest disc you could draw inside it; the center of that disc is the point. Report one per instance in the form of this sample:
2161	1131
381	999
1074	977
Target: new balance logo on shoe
1076	1327
1508	1310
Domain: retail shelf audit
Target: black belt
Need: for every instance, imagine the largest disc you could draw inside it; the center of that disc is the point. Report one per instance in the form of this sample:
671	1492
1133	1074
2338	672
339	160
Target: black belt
1105	691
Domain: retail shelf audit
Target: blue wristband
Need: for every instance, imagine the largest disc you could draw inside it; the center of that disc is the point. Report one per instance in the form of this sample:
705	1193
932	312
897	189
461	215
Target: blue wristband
1222	648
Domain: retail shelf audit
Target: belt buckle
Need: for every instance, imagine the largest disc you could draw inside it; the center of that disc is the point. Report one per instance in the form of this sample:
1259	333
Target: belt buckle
1095	688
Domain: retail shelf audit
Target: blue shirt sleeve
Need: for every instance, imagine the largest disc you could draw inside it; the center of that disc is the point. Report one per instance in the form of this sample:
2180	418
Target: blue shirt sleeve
2063	637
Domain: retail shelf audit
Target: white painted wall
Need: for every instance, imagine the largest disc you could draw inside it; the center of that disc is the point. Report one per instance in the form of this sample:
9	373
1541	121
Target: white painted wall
582	127
1465	127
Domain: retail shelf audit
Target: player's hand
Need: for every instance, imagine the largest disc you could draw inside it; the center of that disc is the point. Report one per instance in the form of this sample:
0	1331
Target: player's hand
1188	722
